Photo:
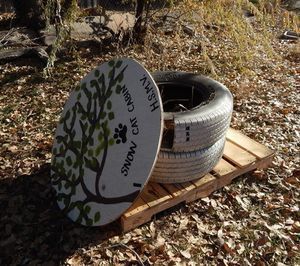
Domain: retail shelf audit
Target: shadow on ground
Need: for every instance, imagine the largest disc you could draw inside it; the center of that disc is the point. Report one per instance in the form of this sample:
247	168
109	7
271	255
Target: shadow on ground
33	230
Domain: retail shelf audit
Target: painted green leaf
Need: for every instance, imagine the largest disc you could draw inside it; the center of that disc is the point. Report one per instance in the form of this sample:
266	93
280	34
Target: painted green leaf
59	139
111	142
114	82
118	89
121	77
81	172
83	86
91	142
98	126
118	64
67	201
109	105
111	116
109	93
68	114
97	217
91	152
97	73
102	116
77	144
89	222
106	131
69	161
100	136
77	88
59	196
84	149
98	151
85	126
111	63
79	96
61	149
87	209
105	123
79	219
69	174
94	163
54	151
110	74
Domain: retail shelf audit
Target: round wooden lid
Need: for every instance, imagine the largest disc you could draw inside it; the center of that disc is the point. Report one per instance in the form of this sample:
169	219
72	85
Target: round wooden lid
106	142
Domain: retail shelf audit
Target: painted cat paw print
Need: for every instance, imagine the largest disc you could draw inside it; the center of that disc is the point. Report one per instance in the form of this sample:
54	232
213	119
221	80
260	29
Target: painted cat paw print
120	134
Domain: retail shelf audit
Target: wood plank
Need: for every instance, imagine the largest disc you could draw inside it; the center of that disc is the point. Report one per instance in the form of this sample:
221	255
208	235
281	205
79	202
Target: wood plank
237	155
204	180
154	194
174	190
138	206
223	168
248	144
203	187
187	186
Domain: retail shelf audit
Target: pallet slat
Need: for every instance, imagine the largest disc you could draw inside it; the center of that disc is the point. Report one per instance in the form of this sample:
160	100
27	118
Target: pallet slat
247	144
241	155
154	194
245	158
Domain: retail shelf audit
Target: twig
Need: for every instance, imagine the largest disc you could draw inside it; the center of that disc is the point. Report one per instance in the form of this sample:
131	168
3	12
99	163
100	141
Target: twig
125	246
6	35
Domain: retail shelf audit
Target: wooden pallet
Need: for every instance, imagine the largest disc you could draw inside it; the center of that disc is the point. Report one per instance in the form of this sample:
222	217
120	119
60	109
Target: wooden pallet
241	155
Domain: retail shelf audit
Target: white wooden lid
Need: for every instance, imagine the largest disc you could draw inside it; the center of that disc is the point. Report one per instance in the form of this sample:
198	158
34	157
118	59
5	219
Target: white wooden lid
106	142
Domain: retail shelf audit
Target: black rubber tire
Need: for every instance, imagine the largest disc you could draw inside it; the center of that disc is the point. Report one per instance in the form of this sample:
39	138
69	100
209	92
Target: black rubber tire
209	110
178	167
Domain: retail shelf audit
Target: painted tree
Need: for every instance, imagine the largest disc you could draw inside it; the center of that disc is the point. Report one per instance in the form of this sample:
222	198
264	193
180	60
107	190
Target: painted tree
89	118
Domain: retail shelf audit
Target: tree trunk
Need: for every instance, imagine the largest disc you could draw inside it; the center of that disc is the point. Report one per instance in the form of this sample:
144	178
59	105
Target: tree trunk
138	29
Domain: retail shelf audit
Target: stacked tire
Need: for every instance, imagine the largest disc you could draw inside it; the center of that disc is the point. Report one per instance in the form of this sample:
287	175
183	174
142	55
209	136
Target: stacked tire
197	114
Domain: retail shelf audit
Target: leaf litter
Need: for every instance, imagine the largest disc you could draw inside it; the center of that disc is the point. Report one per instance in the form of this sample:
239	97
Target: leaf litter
253	221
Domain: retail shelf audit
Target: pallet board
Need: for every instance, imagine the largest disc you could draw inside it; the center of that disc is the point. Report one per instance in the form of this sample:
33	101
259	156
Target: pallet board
241	155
